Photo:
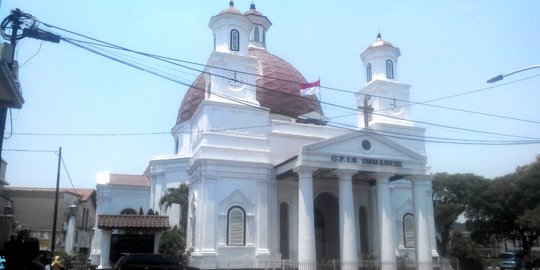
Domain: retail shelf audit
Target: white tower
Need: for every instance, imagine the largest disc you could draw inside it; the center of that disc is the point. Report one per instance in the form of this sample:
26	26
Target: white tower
232	79
386	98
257	37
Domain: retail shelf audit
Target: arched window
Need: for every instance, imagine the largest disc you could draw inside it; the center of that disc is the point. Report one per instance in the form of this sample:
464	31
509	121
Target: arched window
235	40
389	69
193	223
284	230
236	227
408	230
368	72
128	211
363	222
256	34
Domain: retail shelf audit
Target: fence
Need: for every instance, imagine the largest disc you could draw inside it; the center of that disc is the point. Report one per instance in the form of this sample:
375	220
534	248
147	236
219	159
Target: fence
232	264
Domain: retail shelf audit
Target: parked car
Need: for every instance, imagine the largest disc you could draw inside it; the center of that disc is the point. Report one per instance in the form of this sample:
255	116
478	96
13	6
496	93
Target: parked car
147	261
510	260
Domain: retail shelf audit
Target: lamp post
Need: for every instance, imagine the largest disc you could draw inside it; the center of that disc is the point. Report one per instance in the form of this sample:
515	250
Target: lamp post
501	76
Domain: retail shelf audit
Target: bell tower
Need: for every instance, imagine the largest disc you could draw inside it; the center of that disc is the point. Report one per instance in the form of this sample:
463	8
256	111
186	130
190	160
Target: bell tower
232	70
383	99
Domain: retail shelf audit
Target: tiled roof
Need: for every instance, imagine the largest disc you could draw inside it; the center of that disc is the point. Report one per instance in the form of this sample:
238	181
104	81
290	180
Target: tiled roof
278	89
128	179
133	222
84	193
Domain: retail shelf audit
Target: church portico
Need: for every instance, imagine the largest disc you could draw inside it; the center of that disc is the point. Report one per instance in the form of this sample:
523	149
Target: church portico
364	183
352	190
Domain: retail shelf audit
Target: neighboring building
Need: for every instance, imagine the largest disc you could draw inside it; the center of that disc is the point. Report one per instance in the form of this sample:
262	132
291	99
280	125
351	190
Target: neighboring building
33	210
6	207
269	180
125	222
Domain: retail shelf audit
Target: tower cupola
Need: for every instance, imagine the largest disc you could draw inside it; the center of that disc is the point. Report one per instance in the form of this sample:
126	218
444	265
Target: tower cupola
257	37
380	60
231	31
383	99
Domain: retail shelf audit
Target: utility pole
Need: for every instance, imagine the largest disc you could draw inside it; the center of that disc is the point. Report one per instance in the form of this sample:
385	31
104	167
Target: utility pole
56	200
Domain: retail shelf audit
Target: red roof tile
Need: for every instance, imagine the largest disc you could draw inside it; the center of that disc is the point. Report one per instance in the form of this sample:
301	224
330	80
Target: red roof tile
132	222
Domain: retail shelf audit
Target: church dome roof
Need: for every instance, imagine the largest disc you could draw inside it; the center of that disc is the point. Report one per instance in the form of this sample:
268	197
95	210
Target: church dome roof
277	89
379	42
231	9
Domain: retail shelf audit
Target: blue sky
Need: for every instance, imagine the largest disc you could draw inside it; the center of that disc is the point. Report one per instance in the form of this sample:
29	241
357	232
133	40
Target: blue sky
447	47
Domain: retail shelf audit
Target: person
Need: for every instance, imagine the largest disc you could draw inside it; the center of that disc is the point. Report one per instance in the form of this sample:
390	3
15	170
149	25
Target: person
57	263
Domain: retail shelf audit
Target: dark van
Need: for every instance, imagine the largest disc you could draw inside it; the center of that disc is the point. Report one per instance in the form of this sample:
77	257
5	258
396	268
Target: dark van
147	261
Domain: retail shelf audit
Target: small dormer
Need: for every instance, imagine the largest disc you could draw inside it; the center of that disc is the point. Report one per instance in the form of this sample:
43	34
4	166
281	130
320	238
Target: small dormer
380	60
257	37
231	31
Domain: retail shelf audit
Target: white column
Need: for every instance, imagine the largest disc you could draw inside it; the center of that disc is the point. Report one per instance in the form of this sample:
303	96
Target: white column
386	223
307	257
347	232
105	249
157	238
421	222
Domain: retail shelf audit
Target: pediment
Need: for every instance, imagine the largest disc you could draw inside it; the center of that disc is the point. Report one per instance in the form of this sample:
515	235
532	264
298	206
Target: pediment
362	148
236	198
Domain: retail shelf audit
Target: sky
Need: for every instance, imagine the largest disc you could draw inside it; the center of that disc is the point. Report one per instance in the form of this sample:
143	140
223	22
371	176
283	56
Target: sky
107	116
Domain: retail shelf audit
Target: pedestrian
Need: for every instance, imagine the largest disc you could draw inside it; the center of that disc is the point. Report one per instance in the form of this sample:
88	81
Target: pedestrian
57	263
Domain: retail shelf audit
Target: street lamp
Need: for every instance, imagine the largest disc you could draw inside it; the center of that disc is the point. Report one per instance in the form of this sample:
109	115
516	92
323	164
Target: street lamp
501	76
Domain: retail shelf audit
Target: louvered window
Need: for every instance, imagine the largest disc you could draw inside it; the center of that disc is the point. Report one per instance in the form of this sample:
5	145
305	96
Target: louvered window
389	69
368	72
236	227
235	40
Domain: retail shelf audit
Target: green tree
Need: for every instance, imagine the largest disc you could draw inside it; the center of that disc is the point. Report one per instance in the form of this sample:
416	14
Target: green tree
179	196
451	196
509	209
173	243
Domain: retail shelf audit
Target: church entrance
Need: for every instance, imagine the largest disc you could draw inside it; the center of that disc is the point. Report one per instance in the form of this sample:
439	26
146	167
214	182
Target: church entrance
327	227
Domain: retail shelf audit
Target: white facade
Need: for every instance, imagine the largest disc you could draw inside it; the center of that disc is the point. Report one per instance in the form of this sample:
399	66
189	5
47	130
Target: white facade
265	187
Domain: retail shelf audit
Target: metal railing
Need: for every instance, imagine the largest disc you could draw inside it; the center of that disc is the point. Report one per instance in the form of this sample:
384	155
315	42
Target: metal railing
368	264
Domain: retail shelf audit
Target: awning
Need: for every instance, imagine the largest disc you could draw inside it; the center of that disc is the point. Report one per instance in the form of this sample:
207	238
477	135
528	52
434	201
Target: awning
109	222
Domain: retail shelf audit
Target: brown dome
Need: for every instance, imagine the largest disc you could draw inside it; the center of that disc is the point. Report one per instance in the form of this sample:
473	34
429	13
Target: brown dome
278	89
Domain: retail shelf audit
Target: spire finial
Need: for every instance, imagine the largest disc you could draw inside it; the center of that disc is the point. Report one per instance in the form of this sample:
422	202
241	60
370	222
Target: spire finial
252	6
231	4
379	35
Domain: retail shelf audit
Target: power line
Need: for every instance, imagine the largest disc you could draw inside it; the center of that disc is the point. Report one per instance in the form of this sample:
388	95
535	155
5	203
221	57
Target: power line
174	79
425	103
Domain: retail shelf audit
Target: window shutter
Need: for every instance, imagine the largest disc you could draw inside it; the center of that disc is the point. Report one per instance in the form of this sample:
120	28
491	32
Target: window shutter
236	227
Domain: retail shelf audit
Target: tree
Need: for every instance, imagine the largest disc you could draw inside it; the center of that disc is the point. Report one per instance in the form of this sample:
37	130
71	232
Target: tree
173	243
509	209
451	196
179	196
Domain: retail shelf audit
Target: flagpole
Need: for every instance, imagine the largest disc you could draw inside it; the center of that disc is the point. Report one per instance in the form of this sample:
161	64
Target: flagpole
320	99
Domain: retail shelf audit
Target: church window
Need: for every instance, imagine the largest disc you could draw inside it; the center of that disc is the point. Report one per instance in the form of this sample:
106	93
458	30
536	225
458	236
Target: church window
128	211
368	72
389	69
284	230
408	230
256	34
193	223
235	40
236	225
264	37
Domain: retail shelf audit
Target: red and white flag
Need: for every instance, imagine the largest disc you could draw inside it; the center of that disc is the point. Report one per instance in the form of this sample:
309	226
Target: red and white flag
307	89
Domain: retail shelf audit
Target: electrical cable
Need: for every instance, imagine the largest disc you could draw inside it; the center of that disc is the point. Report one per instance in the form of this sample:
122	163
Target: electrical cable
186	84
329	88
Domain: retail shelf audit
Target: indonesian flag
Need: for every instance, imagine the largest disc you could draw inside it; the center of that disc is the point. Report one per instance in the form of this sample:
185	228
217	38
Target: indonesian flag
307	89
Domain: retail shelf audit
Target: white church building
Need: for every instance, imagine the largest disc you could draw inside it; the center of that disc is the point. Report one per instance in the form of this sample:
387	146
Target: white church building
268	179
